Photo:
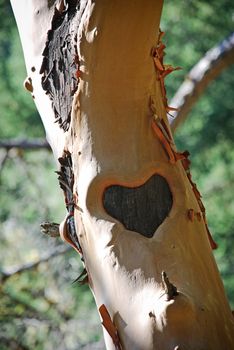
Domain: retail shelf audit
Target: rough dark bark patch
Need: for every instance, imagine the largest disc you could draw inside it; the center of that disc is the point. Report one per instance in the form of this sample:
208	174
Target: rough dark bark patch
66	181
141	209
60	63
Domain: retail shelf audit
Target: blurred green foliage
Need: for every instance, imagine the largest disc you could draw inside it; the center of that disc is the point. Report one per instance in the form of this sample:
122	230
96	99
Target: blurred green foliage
40	308
17	108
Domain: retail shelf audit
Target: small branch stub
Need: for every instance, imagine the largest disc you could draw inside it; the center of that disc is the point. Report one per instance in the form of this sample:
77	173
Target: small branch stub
170	289
83	278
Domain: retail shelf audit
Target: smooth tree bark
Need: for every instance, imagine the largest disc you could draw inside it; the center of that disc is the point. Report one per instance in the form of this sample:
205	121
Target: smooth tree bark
96	72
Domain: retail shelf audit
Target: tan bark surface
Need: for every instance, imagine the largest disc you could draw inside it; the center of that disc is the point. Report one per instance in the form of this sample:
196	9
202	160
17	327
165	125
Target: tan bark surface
112	142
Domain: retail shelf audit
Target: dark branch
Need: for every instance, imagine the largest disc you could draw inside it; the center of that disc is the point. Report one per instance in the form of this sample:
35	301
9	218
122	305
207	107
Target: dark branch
7	273
3	160
33	144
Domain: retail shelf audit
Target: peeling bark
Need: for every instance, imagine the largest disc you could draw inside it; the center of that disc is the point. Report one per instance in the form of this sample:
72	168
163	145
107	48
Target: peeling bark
60	65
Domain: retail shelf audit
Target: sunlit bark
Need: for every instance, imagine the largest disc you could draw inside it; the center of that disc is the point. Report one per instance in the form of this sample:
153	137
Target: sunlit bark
139	221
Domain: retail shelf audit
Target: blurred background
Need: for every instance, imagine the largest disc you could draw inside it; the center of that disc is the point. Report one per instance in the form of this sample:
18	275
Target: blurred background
40	307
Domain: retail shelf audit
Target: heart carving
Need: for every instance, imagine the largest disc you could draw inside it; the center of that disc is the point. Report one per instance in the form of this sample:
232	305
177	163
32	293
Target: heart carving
141	209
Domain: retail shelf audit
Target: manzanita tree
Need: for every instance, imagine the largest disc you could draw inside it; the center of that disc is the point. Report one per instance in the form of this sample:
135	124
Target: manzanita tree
96	71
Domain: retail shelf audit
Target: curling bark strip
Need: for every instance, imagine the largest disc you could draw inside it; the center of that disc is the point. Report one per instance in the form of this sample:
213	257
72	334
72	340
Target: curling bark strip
164	136
186	166
158	54
109	326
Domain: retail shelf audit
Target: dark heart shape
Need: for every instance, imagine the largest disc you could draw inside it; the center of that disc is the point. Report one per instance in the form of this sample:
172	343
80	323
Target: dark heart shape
141	209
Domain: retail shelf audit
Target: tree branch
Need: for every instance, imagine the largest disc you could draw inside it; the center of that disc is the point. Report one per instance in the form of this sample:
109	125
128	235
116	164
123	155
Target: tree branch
199	77
25	144
9	272
3	160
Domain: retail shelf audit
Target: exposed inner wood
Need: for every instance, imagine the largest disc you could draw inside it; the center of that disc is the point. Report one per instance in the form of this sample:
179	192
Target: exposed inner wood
142	208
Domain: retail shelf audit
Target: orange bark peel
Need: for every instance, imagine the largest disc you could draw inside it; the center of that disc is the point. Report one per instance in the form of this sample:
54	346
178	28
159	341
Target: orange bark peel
109	326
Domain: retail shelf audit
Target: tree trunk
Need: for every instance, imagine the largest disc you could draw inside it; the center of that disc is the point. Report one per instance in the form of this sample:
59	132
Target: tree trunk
134	214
